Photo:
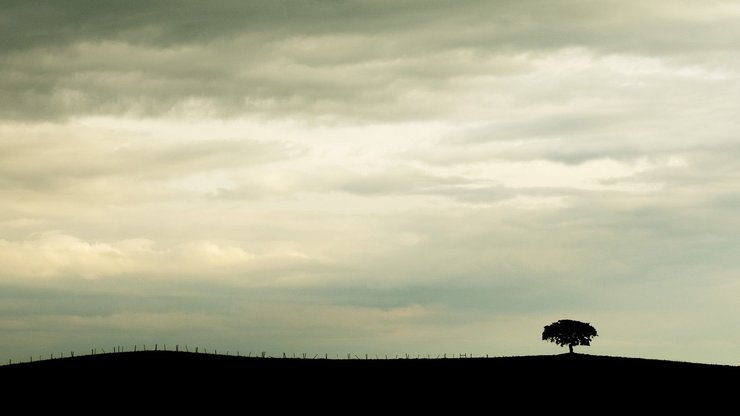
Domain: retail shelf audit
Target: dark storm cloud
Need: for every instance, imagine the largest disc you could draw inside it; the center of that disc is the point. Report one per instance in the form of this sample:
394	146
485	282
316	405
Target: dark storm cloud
356	59
530	23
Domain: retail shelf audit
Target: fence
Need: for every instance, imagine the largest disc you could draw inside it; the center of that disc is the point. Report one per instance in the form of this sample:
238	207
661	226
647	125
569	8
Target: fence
117	349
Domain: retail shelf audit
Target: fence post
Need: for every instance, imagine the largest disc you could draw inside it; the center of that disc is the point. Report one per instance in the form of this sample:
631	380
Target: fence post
177	347
155	347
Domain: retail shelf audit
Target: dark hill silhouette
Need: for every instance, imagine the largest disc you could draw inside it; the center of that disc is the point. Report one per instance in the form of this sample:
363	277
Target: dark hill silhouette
534	381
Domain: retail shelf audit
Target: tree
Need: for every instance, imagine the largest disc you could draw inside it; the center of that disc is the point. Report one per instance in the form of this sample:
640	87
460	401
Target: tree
568	332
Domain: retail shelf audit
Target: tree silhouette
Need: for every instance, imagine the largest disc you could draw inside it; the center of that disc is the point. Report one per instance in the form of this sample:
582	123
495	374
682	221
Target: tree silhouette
568	332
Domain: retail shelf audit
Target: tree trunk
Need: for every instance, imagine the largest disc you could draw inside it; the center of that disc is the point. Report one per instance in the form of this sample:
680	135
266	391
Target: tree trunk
571	348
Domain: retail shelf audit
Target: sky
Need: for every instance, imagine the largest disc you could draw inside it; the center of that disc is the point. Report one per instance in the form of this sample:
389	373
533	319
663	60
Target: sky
370	176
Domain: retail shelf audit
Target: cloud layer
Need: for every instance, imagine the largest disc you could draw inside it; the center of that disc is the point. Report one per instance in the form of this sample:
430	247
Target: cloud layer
391	175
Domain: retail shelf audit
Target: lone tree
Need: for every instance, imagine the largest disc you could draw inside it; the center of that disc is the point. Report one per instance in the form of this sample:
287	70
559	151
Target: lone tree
568	332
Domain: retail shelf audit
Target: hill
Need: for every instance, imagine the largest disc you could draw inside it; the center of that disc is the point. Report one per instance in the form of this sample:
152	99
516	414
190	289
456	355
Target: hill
474	380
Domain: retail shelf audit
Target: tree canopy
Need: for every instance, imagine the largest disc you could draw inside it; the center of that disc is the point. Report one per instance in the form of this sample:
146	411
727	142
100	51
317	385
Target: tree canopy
569	332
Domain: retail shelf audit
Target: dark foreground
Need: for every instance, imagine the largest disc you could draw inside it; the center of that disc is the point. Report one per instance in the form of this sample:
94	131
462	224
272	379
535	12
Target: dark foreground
176	380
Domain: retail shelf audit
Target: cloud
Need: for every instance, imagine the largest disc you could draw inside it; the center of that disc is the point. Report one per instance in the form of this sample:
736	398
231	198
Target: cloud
59	156
357	174
358	60
54	255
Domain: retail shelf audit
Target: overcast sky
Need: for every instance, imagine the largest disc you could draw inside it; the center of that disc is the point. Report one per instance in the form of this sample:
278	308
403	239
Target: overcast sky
370	176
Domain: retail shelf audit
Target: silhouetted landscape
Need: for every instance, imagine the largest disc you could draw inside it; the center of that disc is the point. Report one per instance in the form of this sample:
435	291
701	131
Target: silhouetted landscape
369	176
475	379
